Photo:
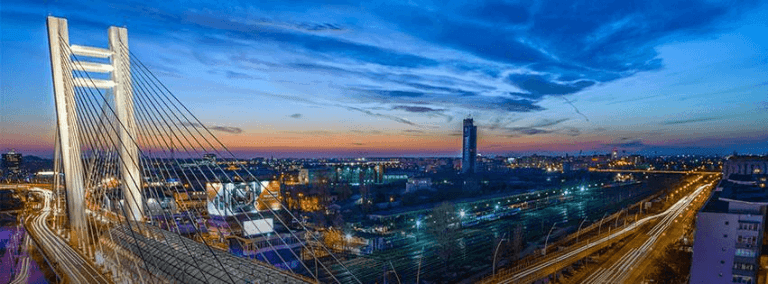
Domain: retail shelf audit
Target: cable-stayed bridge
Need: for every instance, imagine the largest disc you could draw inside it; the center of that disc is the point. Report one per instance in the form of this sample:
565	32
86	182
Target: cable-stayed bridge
140	199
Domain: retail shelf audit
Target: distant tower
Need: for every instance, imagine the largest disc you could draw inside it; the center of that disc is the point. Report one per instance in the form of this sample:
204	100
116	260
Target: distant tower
469	149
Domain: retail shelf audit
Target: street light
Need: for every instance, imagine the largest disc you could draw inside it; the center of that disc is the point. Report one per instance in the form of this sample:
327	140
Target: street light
601	224
579	230
547	240
418	272
496	252
462	213
418	224
617	218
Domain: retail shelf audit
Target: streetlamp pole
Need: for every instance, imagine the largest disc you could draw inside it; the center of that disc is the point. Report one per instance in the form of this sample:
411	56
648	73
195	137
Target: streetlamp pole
418	272
616	223
579	230
497	252
395	271
547	240
600	227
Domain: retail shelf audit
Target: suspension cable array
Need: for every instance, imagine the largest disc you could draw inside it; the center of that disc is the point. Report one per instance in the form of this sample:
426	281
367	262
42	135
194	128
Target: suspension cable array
152	206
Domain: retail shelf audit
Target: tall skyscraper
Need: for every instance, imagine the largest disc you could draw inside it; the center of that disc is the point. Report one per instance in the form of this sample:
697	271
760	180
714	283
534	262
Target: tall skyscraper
469	149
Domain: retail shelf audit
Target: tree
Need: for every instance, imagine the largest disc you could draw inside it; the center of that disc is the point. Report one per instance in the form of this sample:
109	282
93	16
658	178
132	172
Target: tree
673	266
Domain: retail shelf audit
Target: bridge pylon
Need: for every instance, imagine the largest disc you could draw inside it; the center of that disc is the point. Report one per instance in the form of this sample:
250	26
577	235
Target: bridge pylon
65	59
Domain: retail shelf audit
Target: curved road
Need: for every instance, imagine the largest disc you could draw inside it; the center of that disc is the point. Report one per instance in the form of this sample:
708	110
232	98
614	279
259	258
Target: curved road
619	271
77	269
668	215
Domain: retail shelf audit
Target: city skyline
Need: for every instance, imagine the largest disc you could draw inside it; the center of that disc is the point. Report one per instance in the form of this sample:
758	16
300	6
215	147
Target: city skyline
312	80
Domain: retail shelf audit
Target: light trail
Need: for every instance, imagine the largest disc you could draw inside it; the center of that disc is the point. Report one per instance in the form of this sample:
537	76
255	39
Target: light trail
668	215
22	276
619	271
67	259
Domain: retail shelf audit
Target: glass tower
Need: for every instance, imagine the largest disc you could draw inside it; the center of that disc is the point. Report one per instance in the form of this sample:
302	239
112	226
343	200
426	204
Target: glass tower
469	148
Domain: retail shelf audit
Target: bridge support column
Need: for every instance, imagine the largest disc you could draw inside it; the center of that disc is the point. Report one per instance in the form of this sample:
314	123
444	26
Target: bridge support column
129	154
66	121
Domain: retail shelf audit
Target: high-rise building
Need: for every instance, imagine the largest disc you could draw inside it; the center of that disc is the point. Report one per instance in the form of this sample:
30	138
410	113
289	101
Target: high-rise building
469	148
12	162
729	228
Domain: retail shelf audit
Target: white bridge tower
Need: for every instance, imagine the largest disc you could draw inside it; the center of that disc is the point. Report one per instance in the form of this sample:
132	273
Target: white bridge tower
63	64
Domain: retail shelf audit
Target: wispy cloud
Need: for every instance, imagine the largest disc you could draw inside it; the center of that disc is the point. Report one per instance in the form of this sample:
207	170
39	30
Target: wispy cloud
414	131
417	109
226	129
386	116
367	132
626	142
238	75
543	126
295	115
691	120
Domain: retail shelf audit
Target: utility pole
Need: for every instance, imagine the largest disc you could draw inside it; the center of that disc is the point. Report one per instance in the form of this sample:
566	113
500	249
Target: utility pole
496	252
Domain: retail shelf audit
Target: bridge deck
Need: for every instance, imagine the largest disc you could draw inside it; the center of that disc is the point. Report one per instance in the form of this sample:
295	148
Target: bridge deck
188	261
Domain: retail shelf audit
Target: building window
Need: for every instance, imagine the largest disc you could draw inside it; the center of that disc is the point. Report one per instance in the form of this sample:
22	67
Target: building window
743	266
742	279
748	226
745	252
747	240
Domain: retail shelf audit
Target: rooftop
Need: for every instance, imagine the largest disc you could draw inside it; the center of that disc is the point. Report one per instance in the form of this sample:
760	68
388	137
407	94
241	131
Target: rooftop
734	189
748	158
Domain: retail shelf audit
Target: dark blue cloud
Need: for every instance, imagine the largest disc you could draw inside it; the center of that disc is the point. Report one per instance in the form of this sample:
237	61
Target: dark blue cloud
596	41
555	49
538	86
398	94
322	45
692	120
483	40
467	100
626	142
417	109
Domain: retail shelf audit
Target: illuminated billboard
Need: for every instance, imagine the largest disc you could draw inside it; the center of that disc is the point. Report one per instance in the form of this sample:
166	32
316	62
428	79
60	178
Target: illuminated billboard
230	199
258	227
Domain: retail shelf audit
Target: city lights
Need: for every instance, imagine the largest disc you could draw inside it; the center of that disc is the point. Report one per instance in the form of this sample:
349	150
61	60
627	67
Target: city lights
489	142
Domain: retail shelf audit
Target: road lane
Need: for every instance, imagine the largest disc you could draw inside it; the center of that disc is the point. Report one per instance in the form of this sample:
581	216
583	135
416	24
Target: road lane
674	210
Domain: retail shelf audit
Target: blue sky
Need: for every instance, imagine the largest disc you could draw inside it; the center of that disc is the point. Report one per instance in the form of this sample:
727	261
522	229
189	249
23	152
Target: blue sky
326	78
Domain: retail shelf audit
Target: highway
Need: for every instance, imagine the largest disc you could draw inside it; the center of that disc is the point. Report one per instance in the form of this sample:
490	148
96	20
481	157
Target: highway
651	171
617	271
620	270
66	259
